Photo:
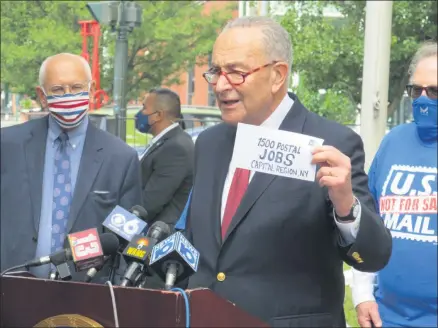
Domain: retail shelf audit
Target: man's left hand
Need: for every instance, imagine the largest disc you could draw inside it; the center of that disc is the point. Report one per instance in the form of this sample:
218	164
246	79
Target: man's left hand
335	174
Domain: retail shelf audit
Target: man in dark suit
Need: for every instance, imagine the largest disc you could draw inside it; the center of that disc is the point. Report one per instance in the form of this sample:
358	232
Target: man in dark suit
167	165
272	245
60	174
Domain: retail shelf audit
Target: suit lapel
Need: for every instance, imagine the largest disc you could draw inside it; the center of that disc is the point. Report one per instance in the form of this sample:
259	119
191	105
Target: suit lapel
153	148
35	149
173	132
293	122
91	161
219	167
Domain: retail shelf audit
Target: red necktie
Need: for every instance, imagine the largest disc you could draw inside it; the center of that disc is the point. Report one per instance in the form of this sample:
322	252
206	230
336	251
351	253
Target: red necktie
235	195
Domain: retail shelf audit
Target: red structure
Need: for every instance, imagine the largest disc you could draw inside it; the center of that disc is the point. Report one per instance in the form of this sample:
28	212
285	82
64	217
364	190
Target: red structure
92	29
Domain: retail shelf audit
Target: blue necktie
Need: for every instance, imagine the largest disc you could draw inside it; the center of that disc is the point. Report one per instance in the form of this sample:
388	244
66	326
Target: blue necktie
62	193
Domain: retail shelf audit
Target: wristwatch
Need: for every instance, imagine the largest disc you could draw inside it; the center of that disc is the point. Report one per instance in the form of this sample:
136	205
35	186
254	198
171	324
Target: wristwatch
354	212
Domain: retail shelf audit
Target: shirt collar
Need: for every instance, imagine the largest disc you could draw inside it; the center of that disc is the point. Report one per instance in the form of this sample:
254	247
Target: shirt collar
279	114
75	136
162	133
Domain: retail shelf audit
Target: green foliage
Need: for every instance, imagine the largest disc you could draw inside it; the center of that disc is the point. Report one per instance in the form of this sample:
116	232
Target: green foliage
329	50
173	32
26	103
33	30
332	104
173	35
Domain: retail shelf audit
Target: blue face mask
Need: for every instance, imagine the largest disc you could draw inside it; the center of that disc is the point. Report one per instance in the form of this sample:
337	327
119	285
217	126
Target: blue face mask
142	122
425	117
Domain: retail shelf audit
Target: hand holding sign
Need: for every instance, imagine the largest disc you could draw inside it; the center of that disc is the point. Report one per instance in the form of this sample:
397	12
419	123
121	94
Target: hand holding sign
335	174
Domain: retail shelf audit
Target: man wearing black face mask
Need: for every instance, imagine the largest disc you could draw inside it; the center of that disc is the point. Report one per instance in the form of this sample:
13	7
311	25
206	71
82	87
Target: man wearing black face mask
167	165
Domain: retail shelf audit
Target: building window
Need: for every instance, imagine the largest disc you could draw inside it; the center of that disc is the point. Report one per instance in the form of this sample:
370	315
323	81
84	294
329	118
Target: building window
190	85
210	96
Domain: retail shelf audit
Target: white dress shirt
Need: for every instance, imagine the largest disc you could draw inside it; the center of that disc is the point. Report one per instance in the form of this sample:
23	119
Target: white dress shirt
362	288
347	230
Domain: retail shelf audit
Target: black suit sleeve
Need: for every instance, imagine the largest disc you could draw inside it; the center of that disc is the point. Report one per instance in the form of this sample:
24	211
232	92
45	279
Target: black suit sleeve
372	249
169	170
130	193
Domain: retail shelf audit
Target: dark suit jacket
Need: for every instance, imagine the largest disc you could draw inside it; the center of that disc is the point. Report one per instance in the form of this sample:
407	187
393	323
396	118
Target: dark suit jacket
167	176
107	164
281	257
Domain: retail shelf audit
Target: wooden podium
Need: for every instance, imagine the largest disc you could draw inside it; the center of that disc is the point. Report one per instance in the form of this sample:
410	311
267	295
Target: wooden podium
29	302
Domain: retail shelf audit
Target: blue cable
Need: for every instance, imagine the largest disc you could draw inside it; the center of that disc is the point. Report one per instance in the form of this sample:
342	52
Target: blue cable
186	301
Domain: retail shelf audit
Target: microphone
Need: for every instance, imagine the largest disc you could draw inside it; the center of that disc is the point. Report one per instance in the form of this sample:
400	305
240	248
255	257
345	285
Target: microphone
124	225
63	272
56	258
110	246
174	259
139	249
140	212
91	273
108	241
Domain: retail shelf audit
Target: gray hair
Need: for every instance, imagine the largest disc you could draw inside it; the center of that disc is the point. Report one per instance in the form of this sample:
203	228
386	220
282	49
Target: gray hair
277	40
42	74
426	50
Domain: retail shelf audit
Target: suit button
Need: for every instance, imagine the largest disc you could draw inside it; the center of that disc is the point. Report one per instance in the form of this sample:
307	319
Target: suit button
221	276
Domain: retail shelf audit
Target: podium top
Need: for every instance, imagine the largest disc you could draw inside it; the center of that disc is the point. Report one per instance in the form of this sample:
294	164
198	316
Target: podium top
135	307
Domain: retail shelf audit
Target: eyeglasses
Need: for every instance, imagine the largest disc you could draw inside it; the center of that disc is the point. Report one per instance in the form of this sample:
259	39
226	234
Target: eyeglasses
415	91
75	89
234	78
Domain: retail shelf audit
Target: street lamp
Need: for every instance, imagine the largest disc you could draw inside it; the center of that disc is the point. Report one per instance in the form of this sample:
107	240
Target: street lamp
122	17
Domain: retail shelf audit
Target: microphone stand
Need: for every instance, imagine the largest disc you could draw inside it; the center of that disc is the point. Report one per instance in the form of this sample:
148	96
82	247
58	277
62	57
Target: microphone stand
115	263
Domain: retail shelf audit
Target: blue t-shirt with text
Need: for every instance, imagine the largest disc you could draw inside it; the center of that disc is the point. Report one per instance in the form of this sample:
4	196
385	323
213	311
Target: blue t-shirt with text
403	180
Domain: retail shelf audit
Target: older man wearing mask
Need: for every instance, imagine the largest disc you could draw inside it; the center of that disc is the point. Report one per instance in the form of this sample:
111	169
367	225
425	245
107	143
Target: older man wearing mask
272	245
403	180
60	174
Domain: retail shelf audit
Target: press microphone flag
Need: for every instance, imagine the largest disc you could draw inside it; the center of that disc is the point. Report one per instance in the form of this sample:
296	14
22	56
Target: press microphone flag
181	223
174	259
124	224
138	248
86	249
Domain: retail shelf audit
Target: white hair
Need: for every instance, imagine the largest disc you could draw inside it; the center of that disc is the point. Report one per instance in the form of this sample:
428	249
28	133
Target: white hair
42	74
277	41
426	50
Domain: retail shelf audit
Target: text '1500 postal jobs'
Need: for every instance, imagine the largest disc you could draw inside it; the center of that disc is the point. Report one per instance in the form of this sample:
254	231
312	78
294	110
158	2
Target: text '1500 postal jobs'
276	152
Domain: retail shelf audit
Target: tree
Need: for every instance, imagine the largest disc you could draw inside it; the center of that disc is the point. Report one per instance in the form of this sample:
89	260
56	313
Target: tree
33	30
329	50
172	36
329	103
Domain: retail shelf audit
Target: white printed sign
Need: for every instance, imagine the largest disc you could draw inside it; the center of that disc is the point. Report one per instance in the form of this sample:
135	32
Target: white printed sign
276	152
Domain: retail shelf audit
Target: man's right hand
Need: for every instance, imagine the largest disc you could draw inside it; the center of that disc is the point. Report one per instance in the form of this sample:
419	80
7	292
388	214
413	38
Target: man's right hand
368	315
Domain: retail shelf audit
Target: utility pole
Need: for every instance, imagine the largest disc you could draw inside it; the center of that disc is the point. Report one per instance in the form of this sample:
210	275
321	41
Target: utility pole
373	118
242	7
264	8
122	16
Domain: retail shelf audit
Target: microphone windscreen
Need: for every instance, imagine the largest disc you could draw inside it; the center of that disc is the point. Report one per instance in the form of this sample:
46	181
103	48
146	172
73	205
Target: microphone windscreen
140	212
159	230
110	243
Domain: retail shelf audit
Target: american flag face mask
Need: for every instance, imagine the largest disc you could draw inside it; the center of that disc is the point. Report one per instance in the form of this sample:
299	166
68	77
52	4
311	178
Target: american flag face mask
69	110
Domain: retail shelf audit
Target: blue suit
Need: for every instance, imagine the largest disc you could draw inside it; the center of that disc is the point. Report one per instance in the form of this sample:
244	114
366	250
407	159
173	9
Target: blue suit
108	175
